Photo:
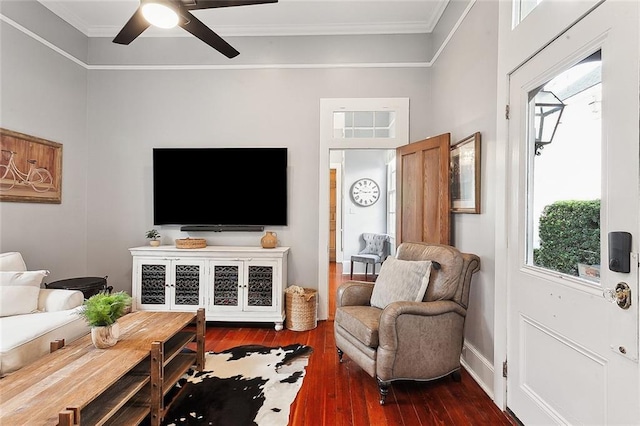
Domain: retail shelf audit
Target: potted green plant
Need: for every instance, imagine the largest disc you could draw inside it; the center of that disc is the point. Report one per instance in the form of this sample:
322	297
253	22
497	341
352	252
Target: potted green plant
101	311
153	235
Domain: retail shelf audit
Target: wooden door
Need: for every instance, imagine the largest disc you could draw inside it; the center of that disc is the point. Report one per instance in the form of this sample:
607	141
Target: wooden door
424	201
332	215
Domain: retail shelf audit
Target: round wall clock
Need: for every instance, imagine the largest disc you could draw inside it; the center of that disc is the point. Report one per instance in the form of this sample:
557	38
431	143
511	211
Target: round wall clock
365	192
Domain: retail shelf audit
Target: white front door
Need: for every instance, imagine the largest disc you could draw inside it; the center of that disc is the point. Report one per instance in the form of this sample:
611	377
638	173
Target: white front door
572	351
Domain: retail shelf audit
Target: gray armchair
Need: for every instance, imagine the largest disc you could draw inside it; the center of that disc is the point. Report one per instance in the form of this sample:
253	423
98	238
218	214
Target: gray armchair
409	340
376	249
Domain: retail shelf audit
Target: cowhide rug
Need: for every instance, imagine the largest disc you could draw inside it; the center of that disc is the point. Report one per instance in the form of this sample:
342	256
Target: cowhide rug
245	385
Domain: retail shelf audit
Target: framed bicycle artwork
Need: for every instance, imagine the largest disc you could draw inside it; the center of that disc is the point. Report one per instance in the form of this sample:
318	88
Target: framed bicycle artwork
465	175
30	168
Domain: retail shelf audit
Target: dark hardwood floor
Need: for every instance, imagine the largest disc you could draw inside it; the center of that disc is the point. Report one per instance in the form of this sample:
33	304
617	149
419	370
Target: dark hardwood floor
343	394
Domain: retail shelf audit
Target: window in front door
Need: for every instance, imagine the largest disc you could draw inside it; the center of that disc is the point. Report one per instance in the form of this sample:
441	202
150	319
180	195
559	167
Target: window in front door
564	185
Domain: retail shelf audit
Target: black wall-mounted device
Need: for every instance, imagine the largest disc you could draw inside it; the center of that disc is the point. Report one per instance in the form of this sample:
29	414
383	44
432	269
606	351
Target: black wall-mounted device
619	251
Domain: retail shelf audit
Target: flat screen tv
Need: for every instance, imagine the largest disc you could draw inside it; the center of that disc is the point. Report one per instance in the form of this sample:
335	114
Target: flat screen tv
220	189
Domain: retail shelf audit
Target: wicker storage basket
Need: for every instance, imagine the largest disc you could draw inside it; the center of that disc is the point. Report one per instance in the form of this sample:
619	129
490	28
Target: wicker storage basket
300	308
191	243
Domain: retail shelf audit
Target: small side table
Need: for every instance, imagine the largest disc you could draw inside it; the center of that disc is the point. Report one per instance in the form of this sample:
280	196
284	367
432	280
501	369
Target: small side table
87	285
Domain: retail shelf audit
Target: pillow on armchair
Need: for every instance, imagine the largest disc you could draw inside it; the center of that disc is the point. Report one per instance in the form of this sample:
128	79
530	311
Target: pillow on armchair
19	291
401	280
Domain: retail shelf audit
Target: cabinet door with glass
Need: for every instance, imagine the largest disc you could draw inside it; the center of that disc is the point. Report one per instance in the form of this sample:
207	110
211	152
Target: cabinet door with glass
226	278
260	285
169	284
246	285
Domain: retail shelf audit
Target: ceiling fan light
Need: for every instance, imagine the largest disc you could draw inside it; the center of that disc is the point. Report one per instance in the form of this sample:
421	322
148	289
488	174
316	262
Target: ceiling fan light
160	15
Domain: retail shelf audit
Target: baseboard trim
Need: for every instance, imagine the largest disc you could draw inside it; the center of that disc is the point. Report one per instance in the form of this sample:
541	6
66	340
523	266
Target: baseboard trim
479	367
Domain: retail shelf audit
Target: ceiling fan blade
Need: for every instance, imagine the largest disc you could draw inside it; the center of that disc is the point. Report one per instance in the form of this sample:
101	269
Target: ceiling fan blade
210	4
132	29
204	33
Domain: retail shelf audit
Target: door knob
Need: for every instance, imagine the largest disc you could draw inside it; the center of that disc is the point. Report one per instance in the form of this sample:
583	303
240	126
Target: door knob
620	295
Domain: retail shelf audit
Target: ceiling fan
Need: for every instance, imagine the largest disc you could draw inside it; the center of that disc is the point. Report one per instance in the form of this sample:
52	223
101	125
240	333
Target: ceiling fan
169	13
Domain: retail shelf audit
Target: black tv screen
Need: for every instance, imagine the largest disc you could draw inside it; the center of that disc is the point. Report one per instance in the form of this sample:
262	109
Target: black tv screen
220	186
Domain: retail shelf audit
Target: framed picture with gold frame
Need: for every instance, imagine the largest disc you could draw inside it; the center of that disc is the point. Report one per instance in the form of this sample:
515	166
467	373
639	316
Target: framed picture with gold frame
465	158
30	168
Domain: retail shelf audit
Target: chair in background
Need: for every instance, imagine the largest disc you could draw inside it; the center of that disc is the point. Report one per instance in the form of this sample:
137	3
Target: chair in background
409	338
376	250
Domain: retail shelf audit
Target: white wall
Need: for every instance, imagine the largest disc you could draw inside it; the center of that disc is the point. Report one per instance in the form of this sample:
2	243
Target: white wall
463	99
44	95
130	112
263	51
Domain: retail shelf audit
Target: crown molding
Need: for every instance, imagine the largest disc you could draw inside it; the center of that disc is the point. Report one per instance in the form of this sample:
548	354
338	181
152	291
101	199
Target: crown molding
64	13
42	40
417	27
437	15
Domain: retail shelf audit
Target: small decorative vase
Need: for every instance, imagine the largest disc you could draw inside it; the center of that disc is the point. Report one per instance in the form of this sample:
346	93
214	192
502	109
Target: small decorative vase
105	336
154	243
270	240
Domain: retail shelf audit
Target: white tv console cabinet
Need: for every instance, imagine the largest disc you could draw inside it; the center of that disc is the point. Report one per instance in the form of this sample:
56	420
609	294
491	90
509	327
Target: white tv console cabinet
243	284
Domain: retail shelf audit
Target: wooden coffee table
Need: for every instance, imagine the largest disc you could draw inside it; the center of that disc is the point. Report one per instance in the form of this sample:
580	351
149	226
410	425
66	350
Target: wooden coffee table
80	384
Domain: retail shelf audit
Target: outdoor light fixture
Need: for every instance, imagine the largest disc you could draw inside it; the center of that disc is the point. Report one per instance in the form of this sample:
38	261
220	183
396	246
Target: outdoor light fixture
160	14
548	110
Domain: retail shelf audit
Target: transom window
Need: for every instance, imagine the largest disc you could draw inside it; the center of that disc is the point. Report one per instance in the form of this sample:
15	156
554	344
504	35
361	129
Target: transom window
364	124
521	8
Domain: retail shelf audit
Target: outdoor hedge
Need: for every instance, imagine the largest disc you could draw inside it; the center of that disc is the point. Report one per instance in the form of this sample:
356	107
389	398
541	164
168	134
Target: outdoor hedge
569	234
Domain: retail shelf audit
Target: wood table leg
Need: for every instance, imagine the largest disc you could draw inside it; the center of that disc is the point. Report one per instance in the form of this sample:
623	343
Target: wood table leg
65	418
157	361
55	345
201	325
69	417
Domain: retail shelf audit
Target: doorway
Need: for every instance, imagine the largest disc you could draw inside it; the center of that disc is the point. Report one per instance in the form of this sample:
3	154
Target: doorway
346	124
355	218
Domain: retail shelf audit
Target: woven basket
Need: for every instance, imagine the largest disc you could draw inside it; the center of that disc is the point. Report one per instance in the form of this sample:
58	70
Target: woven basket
301	308
191	243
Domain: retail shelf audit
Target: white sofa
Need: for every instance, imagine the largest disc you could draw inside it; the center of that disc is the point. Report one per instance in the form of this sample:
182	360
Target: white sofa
32	317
